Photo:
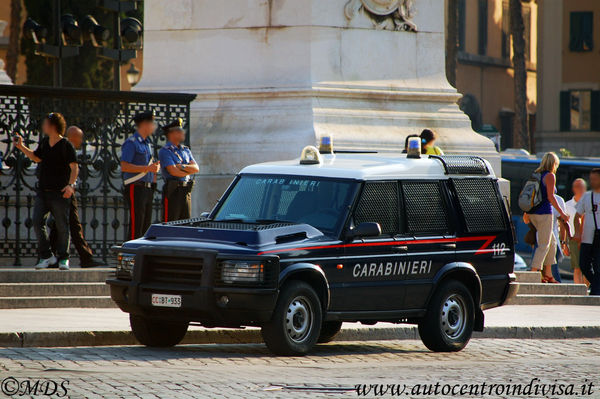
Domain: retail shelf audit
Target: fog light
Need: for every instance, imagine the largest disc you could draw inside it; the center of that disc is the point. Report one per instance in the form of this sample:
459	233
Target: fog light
223	301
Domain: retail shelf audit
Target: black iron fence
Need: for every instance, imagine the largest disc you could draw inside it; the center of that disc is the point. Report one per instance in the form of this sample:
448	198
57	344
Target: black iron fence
106	118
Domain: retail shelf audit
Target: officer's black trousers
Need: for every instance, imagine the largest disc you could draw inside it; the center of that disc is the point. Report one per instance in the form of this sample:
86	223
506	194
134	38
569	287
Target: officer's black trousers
139	200
177	202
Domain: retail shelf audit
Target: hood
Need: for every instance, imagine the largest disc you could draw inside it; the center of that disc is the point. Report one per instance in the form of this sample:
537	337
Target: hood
230	236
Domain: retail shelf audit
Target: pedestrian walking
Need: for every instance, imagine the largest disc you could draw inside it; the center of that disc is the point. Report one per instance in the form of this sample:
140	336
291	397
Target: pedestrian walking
560	231
587	232
543	220
579	187
428	139
86	256
177	167
139	174
58	170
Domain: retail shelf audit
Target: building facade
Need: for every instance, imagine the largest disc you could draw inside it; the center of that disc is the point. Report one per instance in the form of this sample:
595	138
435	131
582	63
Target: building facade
484	72
569	77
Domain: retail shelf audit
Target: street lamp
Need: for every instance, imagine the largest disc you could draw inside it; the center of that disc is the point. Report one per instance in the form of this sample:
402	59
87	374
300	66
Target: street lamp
68	35
34	31
131	31
93	32
133	75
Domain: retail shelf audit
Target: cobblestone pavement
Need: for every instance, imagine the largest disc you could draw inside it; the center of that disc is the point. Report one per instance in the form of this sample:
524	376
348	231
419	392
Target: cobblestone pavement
333	370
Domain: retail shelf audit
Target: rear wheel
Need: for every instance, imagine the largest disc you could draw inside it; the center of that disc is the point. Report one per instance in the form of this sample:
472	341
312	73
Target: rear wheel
448	324
329	330
296	322
157	333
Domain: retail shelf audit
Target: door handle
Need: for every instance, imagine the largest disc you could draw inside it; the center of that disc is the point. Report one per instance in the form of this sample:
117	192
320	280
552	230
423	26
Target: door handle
449	246
401	248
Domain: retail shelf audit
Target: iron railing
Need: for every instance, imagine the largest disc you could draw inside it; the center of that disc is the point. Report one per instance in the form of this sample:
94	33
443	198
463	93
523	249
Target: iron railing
106	120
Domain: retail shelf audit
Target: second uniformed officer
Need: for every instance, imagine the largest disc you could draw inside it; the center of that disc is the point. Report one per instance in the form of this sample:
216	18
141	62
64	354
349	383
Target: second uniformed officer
139	174
177	166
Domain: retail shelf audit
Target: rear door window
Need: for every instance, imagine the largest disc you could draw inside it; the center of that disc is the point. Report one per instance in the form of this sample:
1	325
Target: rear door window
480	205
379	203
425	208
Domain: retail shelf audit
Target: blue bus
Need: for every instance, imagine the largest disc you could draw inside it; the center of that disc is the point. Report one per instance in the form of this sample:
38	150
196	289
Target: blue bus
517	168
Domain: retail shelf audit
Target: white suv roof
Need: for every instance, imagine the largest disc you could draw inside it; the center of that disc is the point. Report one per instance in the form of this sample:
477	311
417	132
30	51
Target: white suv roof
365	166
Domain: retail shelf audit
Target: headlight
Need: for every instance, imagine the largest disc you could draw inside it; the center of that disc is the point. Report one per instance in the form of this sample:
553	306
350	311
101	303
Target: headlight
125	263
233	271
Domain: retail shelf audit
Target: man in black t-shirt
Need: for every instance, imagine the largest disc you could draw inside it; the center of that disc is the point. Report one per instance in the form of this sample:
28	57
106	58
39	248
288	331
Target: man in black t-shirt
58	170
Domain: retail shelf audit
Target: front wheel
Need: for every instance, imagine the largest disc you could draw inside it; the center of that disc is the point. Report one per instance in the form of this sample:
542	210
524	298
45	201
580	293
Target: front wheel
157	333
296	322
448	323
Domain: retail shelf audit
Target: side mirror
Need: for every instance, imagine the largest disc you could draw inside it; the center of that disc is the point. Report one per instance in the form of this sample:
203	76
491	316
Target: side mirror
204	214
366	229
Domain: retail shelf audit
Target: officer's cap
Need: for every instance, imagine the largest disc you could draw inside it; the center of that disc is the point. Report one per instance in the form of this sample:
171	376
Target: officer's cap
146	116
177	124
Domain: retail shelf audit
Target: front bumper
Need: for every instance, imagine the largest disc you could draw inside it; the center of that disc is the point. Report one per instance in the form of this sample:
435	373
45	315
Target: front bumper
202	301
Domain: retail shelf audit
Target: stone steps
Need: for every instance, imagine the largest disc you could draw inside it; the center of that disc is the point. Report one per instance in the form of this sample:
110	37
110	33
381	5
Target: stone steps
56	302
528	277
533	292
30	275
53	289
22	287
552	289
525	299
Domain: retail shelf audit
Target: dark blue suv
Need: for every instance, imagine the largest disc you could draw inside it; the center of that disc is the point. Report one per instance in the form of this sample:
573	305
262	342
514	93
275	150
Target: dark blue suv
298	247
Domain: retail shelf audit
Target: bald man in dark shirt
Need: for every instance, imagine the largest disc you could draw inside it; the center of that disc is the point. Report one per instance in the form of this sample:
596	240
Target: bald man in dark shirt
86	256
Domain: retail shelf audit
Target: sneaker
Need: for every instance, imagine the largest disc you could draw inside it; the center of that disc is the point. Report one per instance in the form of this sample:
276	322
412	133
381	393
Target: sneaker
45	263
63	264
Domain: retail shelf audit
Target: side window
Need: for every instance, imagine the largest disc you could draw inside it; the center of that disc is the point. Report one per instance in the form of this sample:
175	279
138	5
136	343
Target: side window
480	205
425	208
379	203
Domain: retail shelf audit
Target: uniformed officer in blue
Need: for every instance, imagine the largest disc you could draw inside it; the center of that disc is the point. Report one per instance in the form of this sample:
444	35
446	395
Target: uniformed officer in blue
177	167
139	174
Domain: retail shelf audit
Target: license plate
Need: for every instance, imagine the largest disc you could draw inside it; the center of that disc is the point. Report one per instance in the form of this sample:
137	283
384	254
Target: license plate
168	301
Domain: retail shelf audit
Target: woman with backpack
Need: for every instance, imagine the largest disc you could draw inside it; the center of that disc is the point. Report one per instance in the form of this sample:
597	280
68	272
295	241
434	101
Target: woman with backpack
542	218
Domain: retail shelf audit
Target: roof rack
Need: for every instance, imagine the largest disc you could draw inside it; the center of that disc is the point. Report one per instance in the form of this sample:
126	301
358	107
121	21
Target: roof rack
462	164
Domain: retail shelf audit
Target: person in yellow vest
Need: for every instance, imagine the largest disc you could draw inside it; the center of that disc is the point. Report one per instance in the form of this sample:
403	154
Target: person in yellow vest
428	138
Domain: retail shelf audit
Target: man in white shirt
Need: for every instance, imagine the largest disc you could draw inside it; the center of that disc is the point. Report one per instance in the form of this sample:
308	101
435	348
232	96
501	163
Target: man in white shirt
579	187
560	229
589	233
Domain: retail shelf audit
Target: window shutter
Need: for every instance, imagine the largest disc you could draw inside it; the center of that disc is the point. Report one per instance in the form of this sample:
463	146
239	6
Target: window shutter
595	111
587	28
575	42
565	111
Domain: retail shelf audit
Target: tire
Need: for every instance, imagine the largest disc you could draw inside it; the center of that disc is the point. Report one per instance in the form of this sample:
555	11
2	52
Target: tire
450	318
157	333
296	321
329	330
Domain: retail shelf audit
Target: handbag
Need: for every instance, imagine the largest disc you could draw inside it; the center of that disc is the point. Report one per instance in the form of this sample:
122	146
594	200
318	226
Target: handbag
531	236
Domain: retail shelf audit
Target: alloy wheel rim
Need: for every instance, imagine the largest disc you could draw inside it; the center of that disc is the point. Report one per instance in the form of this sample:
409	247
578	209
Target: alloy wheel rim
299	319
453	317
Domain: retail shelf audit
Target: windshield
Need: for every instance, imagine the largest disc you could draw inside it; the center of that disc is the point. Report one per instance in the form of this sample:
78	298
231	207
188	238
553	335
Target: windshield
319	202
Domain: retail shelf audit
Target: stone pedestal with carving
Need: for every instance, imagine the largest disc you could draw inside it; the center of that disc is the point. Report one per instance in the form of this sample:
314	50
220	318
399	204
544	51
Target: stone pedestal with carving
274	75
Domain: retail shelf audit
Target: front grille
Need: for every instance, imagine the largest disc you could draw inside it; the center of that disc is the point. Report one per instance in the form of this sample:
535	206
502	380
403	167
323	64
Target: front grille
172	270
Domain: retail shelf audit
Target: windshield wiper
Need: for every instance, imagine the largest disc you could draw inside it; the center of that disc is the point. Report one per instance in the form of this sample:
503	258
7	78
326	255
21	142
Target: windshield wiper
234	220
269	221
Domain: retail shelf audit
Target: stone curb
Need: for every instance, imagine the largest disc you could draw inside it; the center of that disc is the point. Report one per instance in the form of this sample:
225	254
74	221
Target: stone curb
251	336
